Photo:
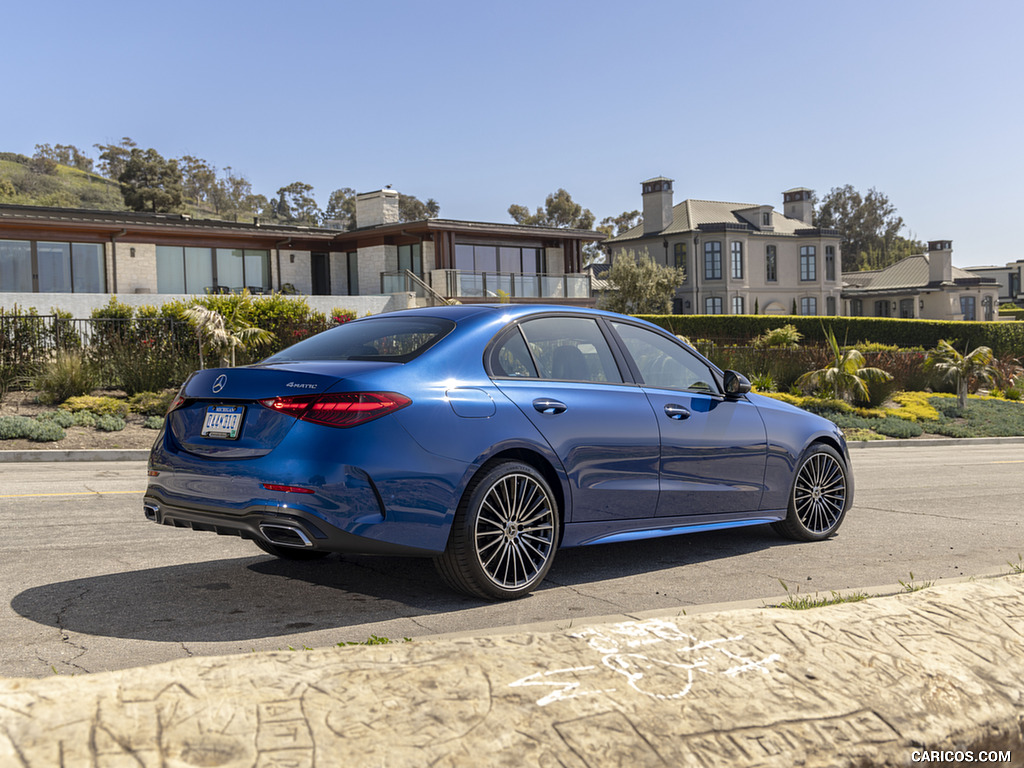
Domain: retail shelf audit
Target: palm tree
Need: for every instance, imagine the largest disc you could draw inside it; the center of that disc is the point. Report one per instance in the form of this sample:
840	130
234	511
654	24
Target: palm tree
225	333
847	377
961	370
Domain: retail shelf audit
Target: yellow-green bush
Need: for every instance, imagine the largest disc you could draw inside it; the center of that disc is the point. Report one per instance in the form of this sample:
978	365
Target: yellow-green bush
103	406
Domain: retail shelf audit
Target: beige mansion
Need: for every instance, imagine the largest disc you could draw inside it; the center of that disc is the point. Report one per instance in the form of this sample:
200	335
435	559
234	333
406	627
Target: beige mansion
739	258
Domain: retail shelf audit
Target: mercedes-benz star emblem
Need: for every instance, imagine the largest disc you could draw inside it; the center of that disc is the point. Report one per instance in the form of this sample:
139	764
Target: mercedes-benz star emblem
220	383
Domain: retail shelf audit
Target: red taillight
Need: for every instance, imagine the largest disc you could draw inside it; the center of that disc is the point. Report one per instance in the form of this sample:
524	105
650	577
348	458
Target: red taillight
176	403
341	409
287	488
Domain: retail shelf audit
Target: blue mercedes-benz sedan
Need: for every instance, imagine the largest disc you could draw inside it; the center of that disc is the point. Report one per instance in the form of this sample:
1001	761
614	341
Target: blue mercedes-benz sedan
487	437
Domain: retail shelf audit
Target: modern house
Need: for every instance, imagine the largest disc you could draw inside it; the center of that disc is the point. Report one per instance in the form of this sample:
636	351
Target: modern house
739	258
75	259
923	286
1010	278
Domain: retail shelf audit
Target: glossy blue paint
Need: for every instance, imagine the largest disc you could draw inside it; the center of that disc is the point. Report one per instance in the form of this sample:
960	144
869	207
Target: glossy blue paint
625	460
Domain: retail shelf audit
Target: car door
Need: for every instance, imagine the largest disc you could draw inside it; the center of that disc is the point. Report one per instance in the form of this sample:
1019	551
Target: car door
713	448
562	374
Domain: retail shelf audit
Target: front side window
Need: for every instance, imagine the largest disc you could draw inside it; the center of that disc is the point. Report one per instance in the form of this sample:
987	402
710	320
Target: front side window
713	305
663	363
809	305
712	260
737	261
570	349
808	263
771	264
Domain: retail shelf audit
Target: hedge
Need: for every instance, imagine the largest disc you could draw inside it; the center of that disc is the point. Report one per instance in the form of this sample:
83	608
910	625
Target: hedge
1005	339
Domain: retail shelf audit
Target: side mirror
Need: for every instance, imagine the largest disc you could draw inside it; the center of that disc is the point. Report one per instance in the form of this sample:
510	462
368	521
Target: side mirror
736	384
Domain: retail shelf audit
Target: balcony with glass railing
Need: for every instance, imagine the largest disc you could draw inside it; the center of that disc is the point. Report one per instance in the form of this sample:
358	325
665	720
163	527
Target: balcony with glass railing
496	286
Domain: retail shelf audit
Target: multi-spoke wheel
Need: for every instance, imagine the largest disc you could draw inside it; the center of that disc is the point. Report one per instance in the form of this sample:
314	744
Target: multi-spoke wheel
504	534
818	498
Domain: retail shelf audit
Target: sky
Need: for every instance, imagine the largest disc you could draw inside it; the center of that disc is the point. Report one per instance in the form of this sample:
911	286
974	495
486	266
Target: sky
481	104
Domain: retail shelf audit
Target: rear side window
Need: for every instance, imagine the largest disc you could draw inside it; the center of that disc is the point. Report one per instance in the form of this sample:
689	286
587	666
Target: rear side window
570	349
388	339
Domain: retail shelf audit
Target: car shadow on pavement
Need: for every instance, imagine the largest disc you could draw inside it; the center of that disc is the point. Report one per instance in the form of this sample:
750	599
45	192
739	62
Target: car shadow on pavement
261	597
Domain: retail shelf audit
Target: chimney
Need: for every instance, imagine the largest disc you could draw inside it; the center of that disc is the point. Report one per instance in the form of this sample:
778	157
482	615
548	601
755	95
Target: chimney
797	205
375	208
657	197
940	261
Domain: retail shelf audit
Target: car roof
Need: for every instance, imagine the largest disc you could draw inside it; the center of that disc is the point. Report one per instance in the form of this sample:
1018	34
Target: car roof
459	312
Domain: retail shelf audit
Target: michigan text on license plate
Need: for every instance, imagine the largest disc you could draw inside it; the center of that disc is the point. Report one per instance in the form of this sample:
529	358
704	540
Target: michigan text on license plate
223	421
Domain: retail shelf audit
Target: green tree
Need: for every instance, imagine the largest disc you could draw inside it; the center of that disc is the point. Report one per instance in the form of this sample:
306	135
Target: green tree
65	154
869	228
413	209
641	286
296	204
597	253
846	378
199	179
559	210
223	334
151	183
341	208
963	371
114	157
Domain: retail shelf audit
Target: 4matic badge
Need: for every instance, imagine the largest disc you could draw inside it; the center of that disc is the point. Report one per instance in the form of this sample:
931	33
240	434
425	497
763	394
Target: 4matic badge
295	385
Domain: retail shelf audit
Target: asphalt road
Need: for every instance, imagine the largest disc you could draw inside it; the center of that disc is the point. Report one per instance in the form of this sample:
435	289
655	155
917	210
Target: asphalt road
87	584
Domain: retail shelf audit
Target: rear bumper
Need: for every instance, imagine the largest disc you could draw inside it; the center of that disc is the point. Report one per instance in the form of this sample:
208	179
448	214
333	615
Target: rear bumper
292	528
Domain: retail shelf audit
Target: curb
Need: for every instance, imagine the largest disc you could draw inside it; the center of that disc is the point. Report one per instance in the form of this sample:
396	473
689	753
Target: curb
887	682
142	454
107	454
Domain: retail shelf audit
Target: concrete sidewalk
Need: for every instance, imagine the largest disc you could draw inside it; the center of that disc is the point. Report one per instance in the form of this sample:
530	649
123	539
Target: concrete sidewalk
877	683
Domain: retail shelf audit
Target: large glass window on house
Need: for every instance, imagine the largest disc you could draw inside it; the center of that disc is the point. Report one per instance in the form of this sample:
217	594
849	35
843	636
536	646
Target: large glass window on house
50	267
771	264
736	261
712	260
713	305
484	270
830	306
410	257
16	266
882	308
906	308
198	271
808	263
737	305
830	262
679	255
856	307
809	305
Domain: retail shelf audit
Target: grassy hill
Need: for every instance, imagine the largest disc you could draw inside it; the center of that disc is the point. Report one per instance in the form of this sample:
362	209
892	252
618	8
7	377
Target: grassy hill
23	183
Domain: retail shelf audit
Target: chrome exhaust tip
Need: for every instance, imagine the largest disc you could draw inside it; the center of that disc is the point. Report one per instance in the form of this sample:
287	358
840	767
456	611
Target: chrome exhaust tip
284	535
152	511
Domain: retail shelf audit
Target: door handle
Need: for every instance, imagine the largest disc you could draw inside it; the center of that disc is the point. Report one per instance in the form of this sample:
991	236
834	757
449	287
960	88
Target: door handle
547	405
677	412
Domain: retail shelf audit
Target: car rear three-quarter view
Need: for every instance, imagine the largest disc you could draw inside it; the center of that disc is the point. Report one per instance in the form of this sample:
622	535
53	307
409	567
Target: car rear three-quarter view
486	437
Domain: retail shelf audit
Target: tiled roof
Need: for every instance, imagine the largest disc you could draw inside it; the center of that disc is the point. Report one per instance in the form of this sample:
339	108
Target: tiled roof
690	215
907	274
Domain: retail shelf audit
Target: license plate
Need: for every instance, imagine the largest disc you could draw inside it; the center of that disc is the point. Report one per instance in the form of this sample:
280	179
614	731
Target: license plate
223	422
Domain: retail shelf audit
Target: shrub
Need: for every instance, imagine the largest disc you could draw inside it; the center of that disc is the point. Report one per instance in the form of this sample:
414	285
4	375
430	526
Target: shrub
101	405
151	403
68	375
63	419
108	423
46	432
898	428
786	336
85	419
154	422
14	427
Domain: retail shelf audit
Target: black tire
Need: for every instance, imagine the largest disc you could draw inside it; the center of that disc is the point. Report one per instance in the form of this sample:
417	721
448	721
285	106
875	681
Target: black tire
504	535
818	497
290	553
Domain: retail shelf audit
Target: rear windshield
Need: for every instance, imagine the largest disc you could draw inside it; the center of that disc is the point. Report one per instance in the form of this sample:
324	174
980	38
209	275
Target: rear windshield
387	339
